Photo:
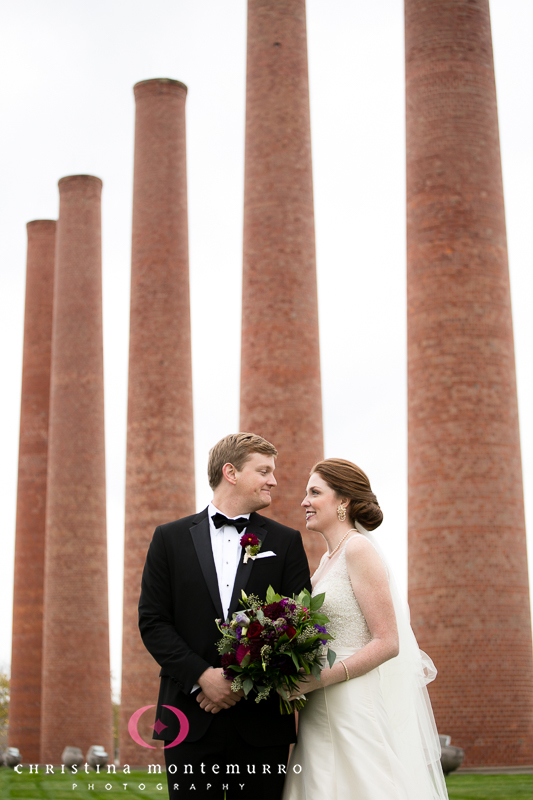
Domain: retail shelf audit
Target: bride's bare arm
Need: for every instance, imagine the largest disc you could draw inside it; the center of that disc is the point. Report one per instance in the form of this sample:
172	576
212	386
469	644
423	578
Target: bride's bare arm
371	588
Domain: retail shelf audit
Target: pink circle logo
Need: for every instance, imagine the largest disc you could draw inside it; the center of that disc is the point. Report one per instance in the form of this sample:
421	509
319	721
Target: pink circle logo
158	726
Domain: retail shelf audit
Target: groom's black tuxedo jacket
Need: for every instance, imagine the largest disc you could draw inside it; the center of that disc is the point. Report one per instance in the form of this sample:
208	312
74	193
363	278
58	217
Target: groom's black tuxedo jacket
177	610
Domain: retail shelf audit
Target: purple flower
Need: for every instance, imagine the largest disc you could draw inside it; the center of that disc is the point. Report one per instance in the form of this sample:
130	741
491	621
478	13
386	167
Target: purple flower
321	629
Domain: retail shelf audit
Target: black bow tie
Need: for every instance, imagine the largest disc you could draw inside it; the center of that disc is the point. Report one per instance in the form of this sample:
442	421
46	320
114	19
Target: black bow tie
219	520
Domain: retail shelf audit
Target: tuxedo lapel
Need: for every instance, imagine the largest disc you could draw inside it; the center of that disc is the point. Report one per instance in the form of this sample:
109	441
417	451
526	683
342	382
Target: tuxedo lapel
201	537
256	525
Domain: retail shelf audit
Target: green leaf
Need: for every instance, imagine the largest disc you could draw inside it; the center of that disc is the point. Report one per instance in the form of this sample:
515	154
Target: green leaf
306	599
295	660
247	685
331	657
319	619
315	670
317	601
246	660
270	595
308	643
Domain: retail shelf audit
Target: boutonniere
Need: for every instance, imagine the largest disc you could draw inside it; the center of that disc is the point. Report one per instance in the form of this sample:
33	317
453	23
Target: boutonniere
251	544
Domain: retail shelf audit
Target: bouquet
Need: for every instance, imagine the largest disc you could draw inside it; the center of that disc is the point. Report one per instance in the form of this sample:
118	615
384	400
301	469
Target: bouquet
274	645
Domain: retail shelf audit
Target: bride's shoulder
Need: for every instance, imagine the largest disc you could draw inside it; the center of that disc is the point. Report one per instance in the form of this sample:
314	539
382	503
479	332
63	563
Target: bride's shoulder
361	553
358	543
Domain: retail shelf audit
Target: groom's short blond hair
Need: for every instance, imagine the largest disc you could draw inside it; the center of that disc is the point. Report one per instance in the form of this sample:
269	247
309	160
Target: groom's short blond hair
235	449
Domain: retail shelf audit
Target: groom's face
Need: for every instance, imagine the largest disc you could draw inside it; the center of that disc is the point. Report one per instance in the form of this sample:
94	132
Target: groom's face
254	482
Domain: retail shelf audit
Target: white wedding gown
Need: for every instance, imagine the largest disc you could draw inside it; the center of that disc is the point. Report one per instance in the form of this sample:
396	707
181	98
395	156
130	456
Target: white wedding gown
348	748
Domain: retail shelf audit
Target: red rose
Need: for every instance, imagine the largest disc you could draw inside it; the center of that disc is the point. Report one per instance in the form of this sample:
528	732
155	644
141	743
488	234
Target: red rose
291	633
254	630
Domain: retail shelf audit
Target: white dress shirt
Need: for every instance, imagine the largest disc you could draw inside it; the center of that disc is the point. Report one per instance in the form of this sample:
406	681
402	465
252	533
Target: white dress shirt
227	551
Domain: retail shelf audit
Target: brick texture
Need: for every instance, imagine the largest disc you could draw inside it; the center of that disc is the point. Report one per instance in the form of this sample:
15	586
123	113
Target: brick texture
26	660
76	692
280	360
468	580
160	456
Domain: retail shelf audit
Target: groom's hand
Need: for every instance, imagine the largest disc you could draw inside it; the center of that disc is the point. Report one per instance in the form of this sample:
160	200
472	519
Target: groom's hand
216	690
206	704
214	708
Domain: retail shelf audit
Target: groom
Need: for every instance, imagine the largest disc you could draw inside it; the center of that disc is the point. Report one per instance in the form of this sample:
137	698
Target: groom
194	574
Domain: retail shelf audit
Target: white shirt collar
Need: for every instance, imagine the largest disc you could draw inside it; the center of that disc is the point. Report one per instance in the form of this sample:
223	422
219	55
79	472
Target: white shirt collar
212	510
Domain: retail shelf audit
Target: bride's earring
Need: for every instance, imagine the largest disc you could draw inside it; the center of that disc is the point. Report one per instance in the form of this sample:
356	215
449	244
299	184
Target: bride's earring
341	513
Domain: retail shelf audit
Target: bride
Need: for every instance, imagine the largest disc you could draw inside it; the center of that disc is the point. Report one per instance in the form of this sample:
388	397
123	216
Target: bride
367	731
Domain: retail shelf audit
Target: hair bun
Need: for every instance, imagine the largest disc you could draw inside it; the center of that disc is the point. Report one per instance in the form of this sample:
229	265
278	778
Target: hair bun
368	514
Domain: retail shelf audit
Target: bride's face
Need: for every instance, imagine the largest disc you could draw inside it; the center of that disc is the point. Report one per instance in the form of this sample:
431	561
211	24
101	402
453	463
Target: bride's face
320	503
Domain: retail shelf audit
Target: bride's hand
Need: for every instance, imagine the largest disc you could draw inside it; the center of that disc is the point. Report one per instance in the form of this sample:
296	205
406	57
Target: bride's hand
310	684
304	687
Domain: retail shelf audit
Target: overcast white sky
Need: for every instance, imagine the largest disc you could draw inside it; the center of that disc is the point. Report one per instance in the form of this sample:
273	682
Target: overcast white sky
68	67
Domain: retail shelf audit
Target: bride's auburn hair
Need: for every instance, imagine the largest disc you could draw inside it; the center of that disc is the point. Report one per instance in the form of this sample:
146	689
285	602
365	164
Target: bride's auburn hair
349	481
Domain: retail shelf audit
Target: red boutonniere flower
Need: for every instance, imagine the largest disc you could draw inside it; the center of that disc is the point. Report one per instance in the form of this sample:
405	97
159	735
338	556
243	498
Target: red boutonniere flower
251	545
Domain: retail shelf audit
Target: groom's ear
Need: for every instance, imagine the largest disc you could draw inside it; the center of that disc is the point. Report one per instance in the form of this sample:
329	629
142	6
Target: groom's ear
230	473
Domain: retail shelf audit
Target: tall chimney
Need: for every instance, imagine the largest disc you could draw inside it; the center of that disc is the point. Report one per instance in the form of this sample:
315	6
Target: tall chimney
26	660
280	361
160	455
468	580
76	691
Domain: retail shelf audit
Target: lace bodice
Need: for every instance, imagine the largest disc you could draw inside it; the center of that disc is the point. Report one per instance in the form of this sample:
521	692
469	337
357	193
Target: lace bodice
346	620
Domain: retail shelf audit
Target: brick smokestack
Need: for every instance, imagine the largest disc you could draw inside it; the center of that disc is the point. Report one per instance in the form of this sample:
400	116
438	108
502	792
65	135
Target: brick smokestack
26	659
280	360
160	456
76	699
468	580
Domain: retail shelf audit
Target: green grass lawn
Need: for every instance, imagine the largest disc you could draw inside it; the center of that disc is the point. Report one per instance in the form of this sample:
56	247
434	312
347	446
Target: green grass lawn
490	787
60	787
